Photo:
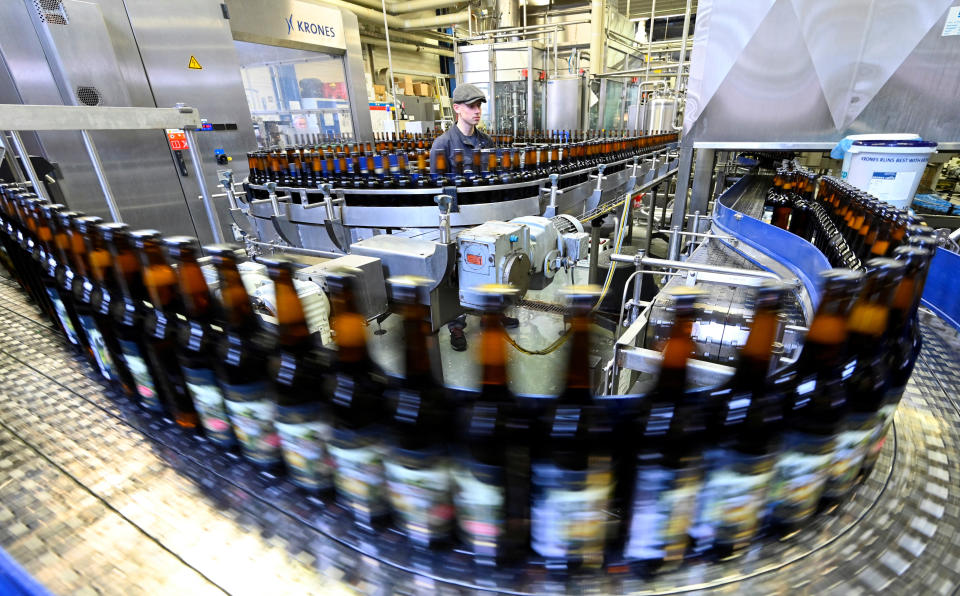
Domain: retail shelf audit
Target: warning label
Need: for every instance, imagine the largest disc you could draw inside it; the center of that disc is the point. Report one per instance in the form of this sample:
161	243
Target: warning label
194	64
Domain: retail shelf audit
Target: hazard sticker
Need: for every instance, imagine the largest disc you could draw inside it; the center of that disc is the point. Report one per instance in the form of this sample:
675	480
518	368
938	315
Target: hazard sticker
194	64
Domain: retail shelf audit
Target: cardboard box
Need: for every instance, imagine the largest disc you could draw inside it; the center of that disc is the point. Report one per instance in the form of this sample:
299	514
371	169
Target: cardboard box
423	89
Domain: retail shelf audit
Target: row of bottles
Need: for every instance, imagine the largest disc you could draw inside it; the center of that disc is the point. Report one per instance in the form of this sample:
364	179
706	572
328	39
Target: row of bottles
846	224
578	481
360	166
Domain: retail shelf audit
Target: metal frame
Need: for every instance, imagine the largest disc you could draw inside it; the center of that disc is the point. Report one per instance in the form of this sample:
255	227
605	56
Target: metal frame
15	118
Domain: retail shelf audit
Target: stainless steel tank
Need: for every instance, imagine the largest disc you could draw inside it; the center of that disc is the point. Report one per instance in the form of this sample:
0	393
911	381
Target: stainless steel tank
659	113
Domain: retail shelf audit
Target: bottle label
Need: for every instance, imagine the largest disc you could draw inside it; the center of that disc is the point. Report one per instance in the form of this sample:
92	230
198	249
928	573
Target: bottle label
208	400
253	413
664	501
420	493
359	476
882	426
799	477
142	378
63	316
568	511
304	436
734	494
99	347
847	459
479	496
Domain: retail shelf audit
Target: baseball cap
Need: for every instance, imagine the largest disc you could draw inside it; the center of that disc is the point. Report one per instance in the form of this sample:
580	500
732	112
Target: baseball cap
467	93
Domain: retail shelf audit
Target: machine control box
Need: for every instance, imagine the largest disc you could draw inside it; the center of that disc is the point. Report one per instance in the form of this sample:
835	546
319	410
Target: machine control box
370	290
493	253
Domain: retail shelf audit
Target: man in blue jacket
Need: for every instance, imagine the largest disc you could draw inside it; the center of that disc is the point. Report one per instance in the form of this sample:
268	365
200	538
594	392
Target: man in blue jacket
463	135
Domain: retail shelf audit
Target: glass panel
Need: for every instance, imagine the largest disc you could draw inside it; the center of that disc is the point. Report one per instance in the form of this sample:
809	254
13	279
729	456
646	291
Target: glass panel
612	113
296	96
594	105
511	104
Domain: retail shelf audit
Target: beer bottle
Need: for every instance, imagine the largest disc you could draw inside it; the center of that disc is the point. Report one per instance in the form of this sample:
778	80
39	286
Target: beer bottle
126	302
69	276
815	407
10	227
490	483
160	324
902	343
43	212
865	376
572	467
63	275
302	416
358	409
91	293
668	464
747	432
242	354
196	338
422	419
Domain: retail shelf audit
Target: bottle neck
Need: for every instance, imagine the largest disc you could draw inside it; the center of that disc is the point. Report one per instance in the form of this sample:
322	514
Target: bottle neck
416	329
194	290
755	357
292	329
578	386
349	327
493	350
238	311
673	370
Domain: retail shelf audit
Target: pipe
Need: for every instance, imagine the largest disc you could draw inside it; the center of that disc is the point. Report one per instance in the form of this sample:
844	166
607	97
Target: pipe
597	39
27	165
653	16
202	184
683	46
443	20
379	17
101	176
394	113
382	43
643	260
418	5
296	250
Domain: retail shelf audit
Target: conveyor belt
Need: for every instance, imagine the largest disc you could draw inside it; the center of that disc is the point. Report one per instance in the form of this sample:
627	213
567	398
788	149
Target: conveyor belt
96	496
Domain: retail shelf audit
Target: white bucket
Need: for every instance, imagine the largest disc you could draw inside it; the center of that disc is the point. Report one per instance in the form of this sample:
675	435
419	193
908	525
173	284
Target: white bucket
888	169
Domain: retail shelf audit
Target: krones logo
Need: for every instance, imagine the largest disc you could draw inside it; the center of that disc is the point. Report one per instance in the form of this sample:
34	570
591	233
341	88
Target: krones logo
308	27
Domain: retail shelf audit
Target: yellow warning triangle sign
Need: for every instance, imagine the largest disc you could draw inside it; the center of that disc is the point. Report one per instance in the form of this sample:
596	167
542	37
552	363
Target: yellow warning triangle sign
194	64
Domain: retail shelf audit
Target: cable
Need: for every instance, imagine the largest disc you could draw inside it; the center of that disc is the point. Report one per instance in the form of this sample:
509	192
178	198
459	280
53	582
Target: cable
547	350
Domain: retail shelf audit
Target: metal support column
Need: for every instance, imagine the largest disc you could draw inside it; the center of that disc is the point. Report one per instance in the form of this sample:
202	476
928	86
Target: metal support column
700	191
650	215
11	157
28	165
101	176
204	193
680	196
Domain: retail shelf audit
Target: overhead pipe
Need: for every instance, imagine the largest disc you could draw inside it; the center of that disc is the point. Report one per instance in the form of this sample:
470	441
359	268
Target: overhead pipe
597	40
683	46
653	16
412	47
443	20
394	22
396	8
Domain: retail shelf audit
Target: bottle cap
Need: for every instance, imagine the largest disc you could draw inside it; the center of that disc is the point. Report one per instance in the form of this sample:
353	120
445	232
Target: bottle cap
113	230
839	279
142	237
581	297
408	288
87	223
181	246
493	297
